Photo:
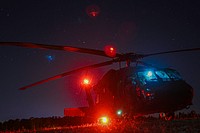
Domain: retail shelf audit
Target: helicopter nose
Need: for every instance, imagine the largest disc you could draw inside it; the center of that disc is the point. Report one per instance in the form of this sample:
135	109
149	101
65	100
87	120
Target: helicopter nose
177	94
185	93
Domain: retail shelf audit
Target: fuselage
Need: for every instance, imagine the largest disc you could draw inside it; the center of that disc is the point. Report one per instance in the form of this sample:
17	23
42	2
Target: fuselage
143	90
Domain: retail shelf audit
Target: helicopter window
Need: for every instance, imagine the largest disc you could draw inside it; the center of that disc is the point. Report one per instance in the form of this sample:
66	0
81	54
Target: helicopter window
147	76
173	74
162	75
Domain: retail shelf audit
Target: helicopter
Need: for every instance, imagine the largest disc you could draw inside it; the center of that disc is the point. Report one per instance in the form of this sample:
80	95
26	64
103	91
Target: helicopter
128	91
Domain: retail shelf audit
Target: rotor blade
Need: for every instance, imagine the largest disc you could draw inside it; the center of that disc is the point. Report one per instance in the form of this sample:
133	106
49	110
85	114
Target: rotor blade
146	64
57	47
68	73
173	51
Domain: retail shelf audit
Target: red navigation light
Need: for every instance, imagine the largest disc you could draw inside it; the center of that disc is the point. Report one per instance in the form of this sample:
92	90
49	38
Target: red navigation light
110	51
148	94
93	13
86	82
93	10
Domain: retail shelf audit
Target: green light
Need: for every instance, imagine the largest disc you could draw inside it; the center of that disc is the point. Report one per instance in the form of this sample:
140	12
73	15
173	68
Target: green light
119	112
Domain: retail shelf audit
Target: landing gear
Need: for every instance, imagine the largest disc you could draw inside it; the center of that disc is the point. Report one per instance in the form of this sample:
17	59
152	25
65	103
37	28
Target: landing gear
167	116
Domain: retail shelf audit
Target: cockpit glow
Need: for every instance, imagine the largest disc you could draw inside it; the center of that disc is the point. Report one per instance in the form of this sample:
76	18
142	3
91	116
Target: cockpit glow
149	73
158	75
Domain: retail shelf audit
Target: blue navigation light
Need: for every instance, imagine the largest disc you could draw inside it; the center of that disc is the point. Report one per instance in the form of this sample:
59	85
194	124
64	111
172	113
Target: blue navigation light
50	57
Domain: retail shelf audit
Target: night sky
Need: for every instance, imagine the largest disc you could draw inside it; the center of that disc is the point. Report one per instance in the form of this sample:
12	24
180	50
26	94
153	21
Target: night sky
130	25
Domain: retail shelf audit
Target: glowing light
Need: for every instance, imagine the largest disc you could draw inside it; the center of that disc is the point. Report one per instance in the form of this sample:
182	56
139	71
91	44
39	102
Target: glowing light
50	58
110	51
94	14
93	10
148	94
149	73
119	112
104	120
86	81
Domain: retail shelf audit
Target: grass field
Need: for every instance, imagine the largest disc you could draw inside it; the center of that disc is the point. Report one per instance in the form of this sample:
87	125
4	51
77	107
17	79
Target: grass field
140	125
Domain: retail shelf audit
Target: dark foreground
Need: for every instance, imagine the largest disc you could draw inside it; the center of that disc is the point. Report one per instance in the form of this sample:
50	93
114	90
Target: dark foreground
149	126
77	124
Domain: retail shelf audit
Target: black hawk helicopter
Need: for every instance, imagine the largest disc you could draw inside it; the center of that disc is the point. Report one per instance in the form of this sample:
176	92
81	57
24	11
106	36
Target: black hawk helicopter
139	90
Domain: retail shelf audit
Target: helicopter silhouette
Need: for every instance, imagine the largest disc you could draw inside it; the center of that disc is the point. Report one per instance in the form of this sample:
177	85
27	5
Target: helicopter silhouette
132	90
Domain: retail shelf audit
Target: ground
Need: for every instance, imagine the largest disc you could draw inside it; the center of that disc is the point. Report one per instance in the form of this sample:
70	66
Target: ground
138	125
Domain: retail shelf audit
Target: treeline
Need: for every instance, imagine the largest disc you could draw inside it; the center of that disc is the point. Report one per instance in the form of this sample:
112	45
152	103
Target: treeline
32	124
37	124
190	115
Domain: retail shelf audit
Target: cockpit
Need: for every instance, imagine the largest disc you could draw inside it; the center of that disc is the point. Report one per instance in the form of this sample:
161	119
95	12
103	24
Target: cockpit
160	75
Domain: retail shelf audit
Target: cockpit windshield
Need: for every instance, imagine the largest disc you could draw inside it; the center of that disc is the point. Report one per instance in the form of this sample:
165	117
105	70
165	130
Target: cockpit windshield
173	74
147	76
158	75
162	75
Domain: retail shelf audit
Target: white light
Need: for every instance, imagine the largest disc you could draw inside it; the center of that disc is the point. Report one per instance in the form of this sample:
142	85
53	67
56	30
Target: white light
119	112
86	81
104	120
149	73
